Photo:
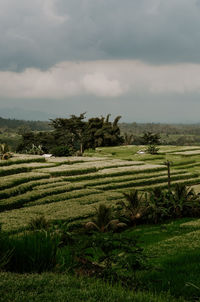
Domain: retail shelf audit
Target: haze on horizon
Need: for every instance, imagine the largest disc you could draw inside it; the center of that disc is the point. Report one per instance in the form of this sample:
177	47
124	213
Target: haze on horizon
138	59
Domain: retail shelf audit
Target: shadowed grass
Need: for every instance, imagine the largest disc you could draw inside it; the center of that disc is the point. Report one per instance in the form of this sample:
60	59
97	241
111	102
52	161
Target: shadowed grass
51	287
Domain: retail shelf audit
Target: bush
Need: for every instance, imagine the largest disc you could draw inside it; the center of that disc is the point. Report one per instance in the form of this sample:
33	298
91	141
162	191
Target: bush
152	149
5	251
39	223
112	256
31	252
35	150
61	151
177	203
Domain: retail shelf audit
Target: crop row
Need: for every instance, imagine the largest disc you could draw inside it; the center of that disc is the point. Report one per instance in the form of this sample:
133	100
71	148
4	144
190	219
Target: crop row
182	150
29	186
15	180
22	161
17	219
126	172
124	179
189	182
16	169
63	183
18	201
187	166
144	182
99	165
84	196
183	163
35	195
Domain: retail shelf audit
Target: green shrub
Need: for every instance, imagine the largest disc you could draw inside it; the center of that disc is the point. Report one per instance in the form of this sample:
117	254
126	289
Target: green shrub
61	151
5	250
35	150
179	202
152	149
113	256
32	252
39	223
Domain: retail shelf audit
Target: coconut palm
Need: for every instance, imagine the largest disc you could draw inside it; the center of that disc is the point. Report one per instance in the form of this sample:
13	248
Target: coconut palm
158	205
103	221
133	206
183	200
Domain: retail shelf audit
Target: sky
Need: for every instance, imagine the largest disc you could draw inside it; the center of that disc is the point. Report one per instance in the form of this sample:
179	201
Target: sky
136	58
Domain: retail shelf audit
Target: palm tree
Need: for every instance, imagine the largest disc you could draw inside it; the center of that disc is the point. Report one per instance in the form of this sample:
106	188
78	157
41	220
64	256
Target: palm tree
4	151
104	221
128	139
134	209
183	200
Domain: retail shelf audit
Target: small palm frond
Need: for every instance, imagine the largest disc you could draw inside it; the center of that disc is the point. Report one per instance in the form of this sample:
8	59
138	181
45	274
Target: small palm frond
103	220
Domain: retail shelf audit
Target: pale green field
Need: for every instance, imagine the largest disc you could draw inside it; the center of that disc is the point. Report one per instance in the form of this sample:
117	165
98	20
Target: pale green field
71	187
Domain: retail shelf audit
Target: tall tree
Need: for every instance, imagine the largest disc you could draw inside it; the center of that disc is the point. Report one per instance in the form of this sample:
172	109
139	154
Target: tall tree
70	132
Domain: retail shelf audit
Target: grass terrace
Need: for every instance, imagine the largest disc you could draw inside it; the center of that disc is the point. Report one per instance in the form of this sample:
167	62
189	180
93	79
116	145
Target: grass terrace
71	188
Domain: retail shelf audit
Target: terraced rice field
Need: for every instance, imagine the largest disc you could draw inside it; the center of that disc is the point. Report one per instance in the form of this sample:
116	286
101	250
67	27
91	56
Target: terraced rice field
70	188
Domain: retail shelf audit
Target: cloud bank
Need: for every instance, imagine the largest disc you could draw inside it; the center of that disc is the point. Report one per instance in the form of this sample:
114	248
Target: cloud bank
104	79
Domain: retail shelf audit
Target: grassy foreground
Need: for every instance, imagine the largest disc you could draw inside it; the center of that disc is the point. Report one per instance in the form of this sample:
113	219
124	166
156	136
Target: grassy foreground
172	272
63	288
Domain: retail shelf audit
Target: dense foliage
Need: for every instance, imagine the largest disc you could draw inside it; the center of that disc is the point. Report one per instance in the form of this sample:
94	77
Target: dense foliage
73	135
22	125
159	205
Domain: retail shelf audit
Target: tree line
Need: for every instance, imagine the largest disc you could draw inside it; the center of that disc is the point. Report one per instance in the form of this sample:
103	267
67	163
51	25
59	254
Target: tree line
73	135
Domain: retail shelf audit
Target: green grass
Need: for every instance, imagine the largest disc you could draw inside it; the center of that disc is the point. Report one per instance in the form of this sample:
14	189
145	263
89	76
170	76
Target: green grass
49	287
173	265
142	183
173	258
4	172
21	161
15	180
16	202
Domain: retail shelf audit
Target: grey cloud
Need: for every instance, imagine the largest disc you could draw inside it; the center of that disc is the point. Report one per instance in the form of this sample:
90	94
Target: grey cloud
105	79
41	33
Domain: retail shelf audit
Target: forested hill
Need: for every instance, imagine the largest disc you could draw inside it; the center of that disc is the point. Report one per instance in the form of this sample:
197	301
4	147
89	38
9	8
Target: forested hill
32	125
175	129
135	128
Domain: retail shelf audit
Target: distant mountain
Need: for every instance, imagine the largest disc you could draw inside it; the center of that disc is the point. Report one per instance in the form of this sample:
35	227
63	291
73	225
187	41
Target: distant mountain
23	114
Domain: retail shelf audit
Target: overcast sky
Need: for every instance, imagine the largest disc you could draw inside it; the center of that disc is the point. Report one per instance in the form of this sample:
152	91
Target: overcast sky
136	58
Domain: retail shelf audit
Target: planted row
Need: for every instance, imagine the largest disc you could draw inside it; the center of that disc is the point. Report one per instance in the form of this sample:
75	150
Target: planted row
144	182
70	195
14	171
23	178
124	179
29	186
22	161
114	174
18	202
